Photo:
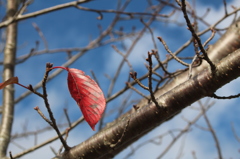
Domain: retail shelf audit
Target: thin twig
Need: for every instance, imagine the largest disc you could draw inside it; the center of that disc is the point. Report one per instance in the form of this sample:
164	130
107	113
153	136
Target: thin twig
210	38
124	56
170	52
140	93
53	121
152	35
134	76
224	97
225	7
43	116
10	154
183	6
149	59
40	33
212	131
48	141
67	116
235	133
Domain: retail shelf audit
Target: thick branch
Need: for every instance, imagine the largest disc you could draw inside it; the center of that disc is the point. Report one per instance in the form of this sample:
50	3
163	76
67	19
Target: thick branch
149	116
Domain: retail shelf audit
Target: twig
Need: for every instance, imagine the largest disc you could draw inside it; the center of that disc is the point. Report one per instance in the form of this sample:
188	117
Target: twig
235	133
124	56
190	66
151	32
67	116
140	93
111	86
212	131
10	154
159	62
134	76
170	52
225	7
43	116
54	151
225	97
41	35
48	141
66	136
54	124
195	36
131	14
210	38
149	59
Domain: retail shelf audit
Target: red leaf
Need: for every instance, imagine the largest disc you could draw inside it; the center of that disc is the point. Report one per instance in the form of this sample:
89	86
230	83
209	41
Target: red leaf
87	94
9	81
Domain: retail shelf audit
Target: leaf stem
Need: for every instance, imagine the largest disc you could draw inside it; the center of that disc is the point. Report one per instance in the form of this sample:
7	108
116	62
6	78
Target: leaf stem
59	67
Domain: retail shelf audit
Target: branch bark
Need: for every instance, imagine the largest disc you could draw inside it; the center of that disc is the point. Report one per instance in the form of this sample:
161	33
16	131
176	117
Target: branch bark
106	144
8	72
172	98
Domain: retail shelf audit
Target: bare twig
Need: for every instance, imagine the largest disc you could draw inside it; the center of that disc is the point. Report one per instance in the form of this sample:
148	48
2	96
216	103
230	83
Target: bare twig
134	76
183	6
10	154
225	97
210	38
124	56
235	133
67	116
47	141
53	121
172	54
225	7
140	93
212	131
43	116
41	35
149	59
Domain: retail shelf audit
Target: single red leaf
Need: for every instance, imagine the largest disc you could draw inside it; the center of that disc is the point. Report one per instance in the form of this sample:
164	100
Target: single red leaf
87	94
11	80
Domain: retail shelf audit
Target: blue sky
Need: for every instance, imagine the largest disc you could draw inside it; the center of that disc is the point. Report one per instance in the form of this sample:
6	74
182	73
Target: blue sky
75	28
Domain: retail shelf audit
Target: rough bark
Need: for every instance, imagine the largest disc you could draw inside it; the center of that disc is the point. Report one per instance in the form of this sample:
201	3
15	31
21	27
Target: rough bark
172	98
8	72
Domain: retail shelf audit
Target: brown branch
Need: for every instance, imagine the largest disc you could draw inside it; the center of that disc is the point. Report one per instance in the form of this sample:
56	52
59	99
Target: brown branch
149	116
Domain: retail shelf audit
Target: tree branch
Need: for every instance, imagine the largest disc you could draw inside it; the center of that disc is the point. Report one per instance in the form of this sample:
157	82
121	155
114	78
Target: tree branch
8	72
149	116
